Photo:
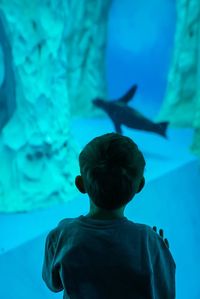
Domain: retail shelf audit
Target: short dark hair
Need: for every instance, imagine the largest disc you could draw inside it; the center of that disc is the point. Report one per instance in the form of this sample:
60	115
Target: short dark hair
110	166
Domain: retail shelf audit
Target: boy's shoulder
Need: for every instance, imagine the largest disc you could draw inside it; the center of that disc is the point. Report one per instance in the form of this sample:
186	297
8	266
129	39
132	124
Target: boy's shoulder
69	224
151	239
73	221
142	228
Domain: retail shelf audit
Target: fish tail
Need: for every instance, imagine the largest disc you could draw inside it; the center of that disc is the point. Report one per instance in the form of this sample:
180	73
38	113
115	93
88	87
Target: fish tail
163	128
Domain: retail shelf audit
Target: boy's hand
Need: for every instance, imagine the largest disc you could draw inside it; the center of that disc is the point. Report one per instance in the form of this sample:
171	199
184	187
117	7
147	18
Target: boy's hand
161	233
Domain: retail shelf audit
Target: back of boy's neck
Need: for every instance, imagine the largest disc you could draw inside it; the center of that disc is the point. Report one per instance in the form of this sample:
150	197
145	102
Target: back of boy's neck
102	216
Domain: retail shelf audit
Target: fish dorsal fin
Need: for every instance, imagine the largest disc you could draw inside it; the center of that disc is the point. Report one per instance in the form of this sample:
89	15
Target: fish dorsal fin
128	95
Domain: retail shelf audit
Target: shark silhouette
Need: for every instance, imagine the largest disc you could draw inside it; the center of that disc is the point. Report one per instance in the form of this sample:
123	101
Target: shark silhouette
121	114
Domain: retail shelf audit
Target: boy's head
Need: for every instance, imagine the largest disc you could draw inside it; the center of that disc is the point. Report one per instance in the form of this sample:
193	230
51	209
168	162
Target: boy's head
112	169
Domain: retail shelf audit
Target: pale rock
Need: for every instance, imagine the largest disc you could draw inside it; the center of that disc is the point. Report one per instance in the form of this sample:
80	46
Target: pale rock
181	106
58	53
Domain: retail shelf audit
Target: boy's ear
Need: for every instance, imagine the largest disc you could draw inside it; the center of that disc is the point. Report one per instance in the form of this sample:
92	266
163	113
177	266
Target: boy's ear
141	186
79	184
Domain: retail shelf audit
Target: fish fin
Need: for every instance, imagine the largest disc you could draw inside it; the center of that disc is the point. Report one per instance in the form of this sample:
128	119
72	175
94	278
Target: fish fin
118	128
128	95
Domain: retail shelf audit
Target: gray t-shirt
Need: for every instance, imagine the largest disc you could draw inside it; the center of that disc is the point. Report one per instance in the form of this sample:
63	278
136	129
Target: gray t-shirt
103	259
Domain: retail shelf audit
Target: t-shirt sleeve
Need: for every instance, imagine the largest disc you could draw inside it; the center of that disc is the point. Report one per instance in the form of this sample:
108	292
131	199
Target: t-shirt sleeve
50	270
163	269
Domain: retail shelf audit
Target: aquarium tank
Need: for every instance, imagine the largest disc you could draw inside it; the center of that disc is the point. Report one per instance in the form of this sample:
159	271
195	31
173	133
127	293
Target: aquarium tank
72	70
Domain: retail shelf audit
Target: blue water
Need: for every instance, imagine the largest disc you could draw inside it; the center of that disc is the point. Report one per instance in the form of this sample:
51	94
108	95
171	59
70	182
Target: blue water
140	46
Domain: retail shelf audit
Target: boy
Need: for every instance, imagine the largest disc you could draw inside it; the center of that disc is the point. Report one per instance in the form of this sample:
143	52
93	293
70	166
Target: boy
103	255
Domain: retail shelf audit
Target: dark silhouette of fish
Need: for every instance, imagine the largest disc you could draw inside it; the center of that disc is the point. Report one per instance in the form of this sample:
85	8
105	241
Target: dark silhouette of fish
121	114
7	77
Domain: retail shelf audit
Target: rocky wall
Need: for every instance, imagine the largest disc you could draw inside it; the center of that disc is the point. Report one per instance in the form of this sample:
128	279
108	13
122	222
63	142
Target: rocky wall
181	106
57	51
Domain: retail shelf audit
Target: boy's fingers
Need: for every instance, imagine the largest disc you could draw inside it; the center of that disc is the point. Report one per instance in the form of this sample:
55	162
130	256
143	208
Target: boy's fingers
161	232
155	228
166	242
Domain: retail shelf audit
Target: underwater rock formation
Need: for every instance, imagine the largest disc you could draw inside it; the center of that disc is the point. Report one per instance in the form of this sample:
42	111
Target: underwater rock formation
57	49
41	123
7	79
182	103
86	36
